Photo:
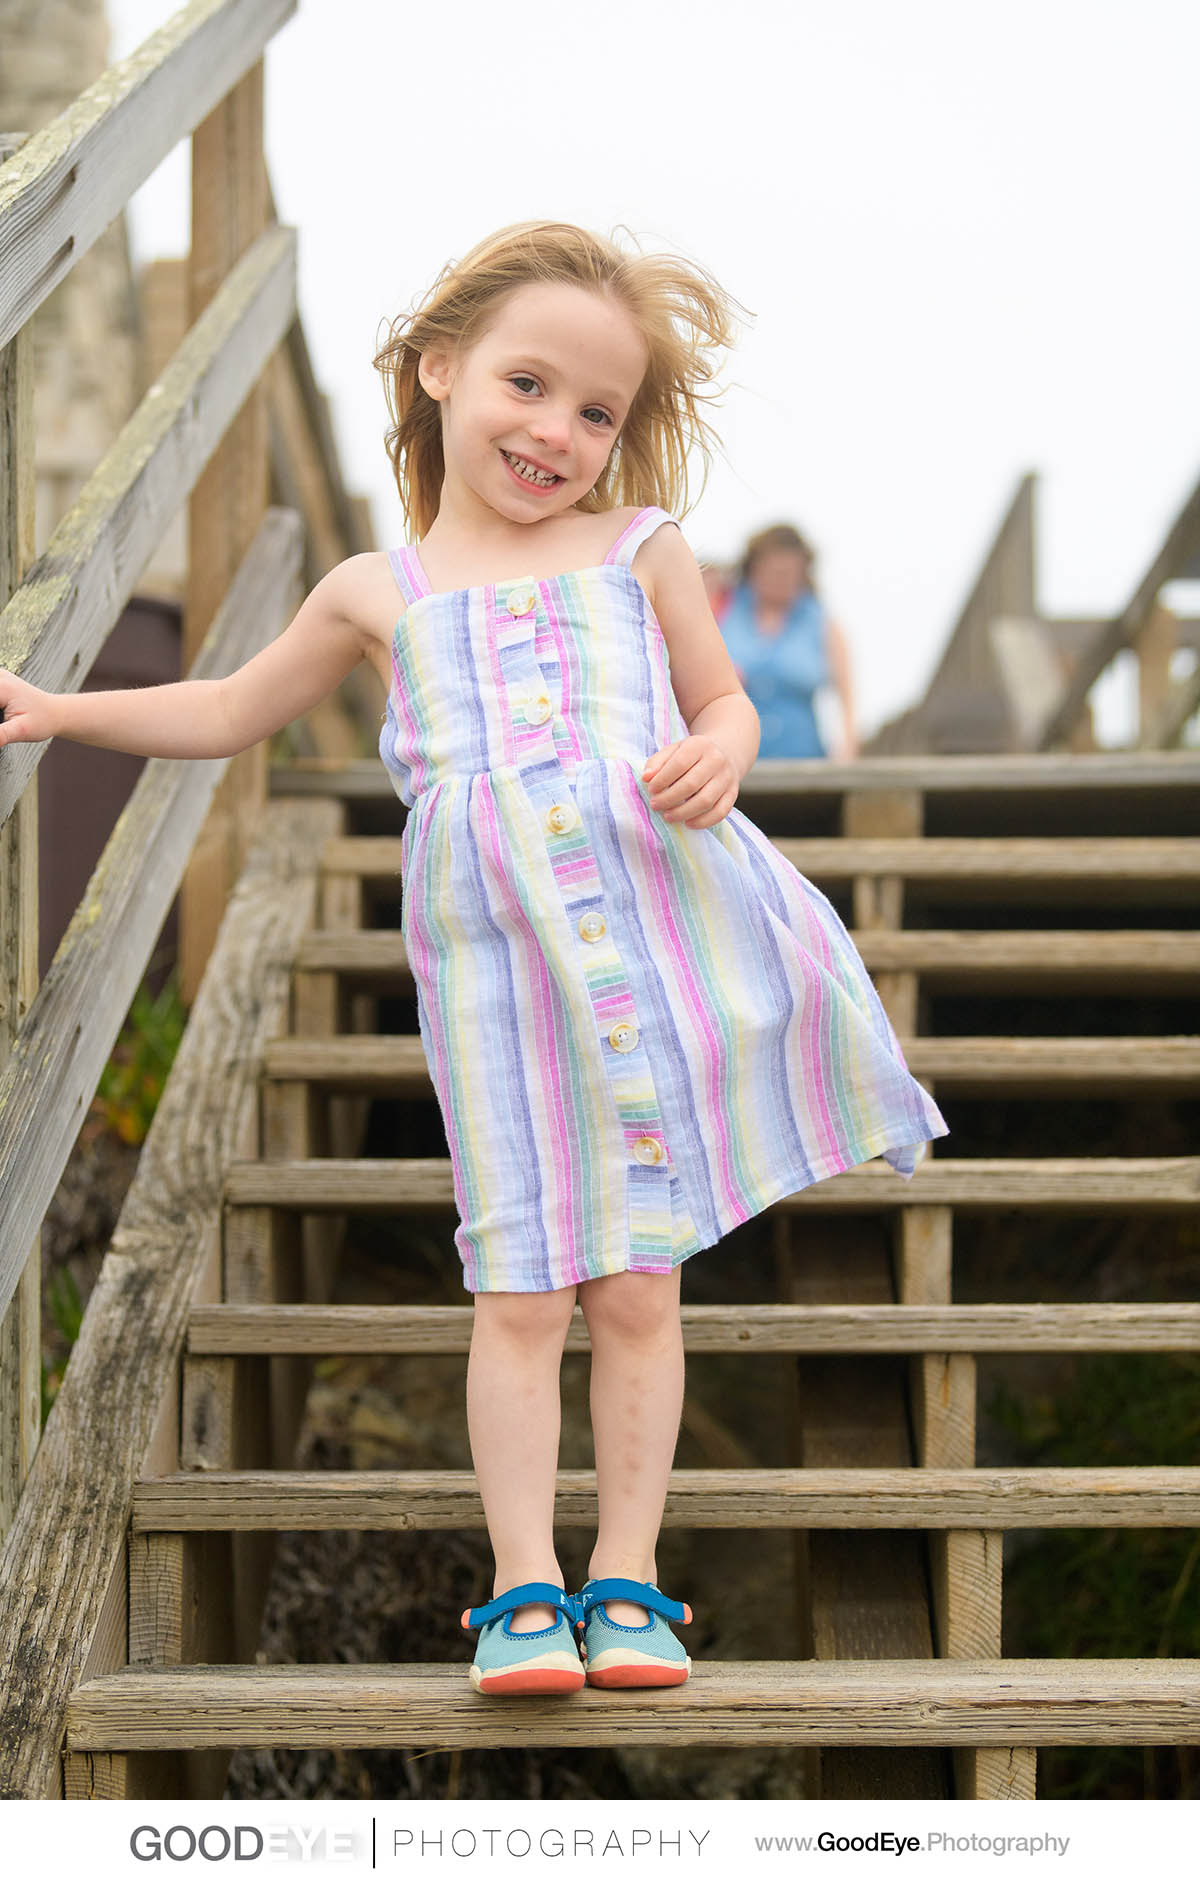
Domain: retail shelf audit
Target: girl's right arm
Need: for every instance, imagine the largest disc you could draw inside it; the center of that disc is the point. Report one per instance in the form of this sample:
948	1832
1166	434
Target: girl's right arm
211	719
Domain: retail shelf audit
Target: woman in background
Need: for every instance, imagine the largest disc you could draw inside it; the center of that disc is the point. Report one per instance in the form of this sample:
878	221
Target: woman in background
785	646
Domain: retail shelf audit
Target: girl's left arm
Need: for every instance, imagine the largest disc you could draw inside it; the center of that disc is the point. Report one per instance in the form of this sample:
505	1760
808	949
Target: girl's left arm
694	781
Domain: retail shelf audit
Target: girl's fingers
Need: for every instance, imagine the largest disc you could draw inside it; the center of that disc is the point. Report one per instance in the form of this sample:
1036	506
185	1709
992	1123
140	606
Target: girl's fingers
685	786
698	800
670	785
704	820
656	761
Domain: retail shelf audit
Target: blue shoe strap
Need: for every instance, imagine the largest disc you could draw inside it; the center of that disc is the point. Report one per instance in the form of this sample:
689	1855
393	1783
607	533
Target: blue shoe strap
606	1589
524	1593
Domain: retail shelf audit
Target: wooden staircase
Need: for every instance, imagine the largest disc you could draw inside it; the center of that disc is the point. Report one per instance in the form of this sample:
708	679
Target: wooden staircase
895	1683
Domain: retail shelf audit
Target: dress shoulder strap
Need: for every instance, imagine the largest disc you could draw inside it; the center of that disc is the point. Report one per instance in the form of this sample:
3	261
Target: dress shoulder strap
630	541
410	577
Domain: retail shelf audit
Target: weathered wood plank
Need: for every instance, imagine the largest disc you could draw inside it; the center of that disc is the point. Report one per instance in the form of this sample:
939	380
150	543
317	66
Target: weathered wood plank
866	1498
1023	774
48	1081
70	1525
125	1775
995	863
772	1328
1013	959
20	1316
76	174
1067	1184
58	620
1052	1703
394	1064
1034	958
229	214
996	1772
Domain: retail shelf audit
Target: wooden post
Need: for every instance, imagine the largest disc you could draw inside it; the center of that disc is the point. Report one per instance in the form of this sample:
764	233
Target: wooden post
1155	646
229	210
965	1565
20	1323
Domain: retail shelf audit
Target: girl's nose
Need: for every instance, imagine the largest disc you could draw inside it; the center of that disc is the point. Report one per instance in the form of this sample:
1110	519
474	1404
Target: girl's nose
551	427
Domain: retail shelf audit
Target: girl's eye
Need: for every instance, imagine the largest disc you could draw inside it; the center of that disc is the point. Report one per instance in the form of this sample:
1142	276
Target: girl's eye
524	382
597	415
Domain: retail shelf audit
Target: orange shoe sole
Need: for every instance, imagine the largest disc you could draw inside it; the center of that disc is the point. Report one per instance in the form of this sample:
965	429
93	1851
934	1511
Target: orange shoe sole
533	1681
638	1676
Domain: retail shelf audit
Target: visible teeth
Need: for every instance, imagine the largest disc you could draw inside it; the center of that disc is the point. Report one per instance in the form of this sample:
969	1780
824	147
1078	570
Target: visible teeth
530	472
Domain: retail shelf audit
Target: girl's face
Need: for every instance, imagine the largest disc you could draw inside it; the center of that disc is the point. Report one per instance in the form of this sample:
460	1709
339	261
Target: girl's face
531	411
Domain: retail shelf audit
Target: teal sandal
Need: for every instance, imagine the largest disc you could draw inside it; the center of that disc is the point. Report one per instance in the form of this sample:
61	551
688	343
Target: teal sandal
624	1655
534	1661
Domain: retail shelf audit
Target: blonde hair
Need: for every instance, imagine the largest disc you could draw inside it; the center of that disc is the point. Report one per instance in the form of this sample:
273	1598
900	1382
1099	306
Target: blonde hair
684	316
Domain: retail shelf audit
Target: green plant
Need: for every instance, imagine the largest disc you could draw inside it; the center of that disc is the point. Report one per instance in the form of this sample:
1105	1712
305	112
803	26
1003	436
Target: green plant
66	1312
132	1082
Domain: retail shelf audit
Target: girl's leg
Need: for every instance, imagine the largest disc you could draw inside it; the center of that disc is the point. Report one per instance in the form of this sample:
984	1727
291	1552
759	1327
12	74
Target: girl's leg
636	1400
513	1416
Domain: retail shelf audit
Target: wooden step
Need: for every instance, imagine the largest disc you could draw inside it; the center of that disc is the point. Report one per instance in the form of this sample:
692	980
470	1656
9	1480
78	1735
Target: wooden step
1016	778
767	1328
776	1498
1090	1702
1022	960
393	1065
1110	866
1167	960
1068	1064
1130	1185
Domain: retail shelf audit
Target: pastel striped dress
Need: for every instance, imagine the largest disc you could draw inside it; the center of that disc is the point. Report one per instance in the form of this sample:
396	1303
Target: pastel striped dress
639	1035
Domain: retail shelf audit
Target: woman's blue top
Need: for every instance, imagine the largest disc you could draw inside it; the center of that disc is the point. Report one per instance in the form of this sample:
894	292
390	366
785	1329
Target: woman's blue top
781	672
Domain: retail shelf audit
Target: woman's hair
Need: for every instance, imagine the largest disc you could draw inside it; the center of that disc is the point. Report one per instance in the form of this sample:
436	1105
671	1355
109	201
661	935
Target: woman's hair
684	316
779	536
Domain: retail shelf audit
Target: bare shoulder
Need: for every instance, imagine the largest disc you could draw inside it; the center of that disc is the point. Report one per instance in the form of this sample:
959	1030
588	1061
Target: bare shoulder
664	562
365	593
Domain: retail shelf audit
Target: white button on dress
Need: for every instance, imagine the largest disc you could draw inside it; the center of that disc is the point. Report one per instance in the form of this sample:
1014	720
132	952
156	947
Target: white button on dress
592	926
647	1150
520	602
561	818
624	1037
539	710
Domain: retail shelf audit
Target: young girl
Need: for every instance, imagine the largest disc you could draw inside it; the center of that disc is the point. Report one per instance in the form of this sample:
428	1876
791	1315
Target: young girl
642	1025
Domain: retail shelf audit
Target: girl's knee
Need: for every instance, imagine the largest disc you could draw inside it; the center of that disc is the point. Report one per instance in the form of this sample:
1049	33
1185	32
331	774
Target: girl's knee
631	1303
540	1314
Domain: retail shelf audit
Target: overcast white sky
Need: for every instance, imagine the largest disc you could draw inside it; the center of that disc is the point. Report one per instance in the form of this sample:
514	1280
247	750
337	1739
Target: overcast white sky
967	233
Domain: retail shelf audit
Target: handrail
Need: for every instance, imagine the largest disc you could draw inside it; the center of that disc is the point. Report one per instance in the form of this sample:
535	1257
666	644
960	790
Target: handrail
68	181
967	669
199	430
57	621
1177	547
68	1033
67	1540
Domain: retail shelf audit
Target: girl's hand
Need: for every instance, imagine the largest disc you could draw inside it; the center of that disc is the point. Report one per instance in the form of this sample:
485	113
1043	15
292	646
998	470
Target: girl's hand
695	782
28	712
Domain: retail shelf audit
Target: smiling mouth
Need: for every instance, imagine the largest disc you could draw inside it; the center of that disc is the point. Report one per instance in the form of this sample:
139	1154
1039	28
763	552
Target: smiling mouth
529	474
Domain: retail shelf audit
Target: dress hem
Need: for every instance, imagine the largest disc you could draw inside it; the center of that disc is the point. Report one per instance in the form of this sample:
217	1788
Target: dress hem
863	1153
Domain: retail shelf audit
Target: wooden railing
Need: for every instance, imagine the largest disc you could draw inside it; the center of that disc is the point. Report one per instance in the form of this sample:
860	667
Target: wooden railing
1013	680
1147	628
964	708
199	435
